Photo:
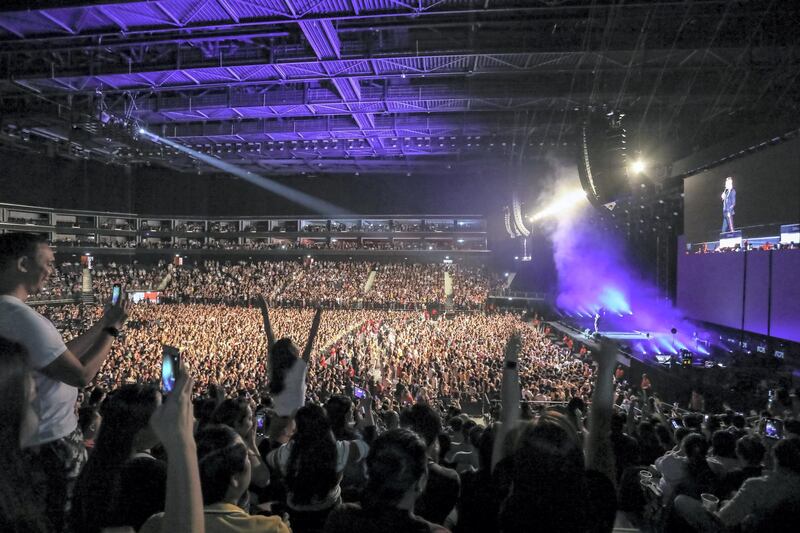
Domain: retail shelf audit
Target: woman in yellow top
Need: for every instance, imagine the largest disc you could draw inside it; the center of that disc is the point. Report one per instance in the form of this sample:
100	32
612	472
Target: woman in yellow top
224	477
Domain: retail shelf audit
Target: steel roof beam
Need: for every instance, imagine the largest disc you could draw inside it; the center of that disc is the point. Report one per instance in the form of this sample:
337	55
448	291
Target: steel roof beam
149	16
510	28
346	128
256	72
234	54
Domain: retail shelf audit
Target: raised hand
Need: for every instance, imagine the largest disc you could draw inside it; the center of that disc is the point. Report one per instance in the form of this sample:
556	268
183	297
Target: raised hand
606	357
173	424
312	335
173	420
262	305
116	315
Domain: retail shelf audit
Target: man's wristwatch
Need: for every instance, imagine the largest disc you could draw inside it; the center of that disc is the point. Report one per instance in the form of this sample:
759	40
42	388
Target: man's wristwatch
111	330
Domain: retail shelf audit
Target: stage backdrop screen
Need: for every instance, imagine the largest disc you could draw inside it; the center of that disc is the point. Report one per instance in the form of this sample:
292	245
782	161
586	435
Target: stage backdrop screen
767	186
756	291
710	287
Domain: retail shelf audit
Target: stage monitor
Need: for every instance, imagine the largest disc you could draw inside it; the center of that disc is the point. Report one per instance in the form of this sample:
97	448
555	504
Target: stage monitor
765	195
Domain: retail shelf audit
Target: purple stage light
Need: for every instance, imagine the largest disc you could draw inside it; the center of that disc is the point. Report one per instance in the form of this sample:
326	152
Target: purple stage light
593	273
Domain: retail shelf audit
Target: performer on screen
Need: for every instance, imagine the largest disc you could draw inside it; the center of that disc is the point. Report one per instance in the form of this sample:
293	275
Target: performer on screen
728	203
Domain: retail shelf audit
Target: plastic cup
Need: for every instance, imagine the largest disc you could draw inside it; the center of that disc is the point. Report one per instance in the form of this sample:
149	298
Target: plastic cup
645	476
710	502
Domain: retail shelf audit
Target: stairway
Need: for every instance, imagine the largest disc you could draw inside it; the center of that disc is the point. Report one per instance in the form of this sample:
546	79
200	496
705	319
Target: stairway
448	291
87	291
370	281
164	282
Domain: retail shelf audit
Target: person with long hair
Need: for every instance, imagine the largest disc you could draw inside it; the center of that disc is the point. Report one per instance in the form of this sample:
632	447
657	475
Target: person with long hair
286	365
554	487
397	466
481	490
339	409
19	509
312	464
549	485
224	478
699	476
124	433
237	413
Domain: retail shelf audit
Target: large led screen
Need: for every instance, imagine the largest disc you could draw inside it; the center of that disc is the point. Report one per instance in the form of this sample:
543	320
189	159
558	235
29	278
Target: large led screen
767	185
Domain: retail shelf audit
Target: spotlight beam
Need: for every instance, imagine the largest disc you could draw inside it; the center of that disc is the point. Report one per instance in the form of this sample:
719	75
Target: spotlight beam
561	204
306	200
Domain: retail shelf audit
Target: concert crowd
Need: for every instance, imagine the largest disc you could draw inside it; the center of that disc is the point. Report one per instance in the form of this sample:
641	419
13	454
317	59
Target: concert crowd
281	416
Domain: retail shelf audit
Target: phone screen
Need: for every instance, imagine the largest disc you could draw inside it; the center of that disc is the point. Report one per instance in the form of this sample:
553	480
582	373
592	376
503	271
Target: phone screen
169	368
359	393
772	428
676	424
260	422
116	292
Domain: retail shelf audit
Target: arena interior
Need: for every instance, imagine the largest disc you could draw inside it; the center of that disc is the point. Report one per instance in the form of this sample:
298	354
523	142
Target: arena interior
390	266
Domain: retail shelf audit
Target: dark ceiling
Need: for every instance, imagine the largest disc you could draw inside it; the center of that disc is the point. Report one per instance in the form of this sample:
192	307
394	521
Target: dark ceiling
387	86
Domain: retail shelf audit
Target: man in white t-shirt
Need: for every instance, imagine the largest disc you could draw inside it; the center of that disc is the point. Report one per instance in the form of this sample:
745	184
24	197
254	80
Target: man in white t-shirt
56	448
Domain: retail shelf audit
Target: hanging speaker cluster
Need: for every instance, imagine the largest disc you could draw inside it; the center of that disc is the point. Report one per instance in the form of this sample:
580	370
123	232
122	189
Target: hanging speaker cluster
510	228
602	163
516	206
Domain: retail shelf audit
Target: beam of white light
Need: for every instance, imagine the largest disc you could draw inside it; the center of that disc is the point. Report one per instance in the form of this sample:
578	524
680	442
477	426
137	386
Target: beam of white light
306	200
561	204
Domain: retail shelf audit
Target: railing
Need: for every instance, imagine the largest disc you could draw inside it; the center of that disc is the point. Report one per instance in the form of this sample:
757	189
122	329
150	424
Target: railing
519	295
76	298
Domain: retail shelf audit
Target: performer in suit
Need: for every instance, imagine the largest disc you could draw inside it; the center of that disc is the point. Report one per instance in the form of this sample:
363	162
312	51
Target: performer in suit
728	203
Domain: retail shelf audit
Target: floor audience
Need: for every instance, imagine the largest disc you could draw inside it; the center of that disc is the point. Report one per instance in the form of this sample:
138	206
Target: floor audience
288	417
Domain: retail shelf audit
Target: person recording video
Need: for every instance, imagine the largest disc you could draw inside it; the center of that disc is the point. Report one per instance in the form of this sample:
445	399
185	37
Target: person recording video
728	203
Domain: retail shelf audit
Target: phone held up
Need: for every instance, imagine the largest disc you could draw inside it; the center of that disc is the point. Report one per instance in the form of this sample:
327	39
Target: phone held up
359	393
260	417
170	363
116	293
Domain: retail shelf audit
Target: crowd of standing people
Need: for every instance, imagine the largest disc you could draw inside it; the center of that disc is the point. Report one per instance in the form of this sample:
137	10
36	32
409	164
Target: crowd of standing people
282	419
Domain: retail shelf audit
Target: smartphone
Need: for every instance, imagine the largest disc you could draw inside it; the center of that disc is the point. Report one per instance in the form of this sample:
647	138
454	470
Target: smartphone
773	428
260	423
359	393
170	363
676	423
116	292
